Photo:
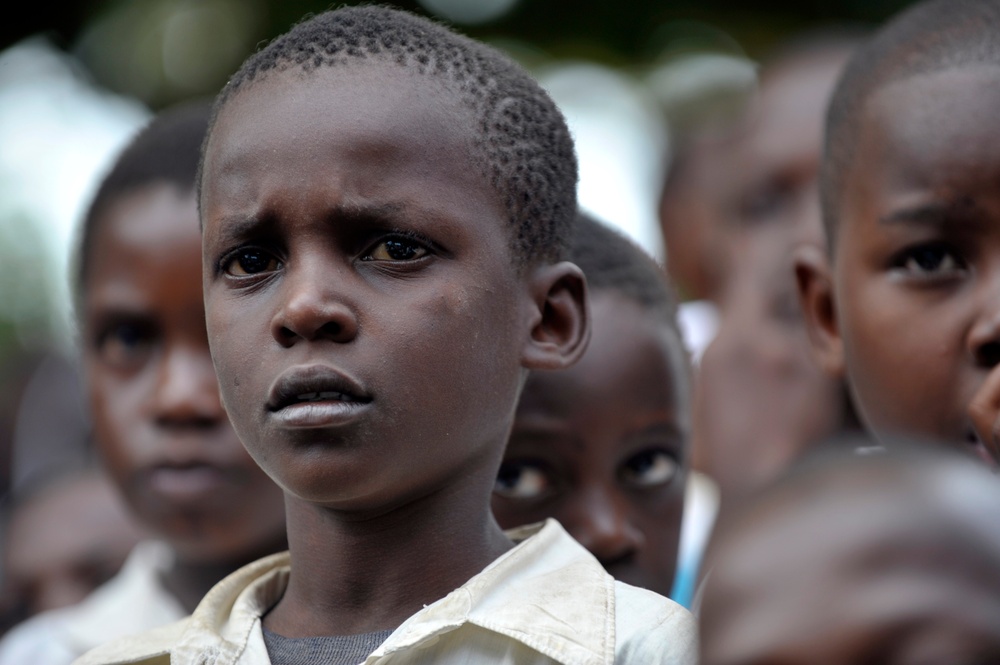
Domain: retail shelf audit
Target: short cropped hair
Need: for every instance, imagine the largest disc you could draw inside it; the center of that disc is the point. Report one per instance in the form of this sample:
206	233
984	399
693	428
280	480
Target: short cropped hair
166	151
612	262
931	36
523	145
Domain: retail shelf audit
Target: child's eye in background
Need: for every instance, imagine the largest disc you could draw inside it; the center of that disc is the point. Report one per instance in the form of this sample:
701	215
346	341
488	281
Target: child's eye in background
522	480
931	261
650	468
250	261
125	345
396	249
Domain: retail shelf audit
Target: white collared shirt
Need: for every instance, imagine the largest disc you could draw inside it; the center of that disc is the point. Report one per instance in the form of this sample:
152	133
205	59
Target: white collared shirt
546	601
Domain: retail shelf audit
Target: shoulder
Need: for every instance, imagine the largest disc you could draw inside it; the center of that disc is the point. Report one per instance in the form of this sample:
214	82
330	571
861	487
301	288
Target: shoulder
651	628
37	640
130	602
151	647
221	624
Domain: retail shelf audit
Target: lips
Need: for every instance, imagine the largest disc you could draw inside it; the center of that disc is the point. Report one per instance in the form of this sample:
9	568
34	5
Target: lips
185	482
315	396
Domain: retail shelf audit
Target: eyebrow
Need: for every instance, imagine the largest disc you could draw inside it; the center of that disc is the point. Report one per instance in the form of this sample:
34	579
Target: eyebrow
238	227
367	213
934	214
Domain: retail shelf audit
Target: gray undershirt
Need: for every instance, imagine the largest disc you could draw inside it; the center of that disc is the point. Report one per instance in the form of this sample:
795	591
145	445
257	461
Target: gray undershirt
338	650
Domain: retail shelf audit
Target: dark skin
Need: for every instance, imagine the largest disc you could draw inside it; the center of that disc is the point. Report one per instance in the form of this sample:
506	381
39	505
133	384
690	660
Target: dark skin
65	542
602	446
908	307
371	332
691	218
859	565
158	416
759	363
760	360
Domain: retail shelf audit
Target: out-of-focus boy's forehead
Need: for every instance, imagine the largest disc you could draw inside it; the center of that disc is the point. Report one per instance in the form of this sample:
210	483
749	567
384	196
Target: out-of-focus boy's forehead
885	542
931	36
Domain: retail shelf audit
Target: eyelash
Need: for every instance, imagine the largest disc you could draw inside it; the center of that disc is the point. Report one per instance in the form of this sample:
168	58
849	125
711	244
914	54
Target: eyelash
635	477
413	240
908	262
410	238
228	260
111	346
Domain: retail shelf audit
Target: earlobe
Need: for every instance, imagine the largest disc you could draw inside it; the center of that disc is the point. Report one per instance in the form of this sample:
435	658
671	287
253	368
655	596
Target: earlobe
816	295
559	320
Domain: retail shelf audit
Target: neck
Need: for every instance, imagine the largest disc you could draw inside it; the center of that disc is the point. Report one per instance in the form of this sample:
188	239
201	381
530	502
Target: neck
356	573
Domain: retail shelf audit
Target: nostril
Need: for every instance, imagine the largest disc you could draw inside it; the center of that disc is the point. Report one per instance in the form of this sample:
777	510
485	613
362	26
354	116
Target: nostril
285	335
988	355
331	330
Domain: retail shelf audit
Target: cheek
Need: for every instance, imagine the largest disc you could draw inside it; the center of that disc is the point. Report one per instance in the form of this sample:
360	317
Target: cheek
659	516
904	362
227	338
464	339
119	421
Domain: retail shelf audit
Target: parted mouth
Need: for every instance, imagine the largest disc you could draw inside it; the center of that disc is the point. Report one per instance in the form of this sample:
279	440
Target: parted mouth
315	383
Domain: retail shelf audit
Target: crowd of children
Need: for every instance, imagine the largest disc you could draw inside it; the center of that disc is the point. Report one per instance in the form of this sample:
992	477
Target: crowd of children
375	390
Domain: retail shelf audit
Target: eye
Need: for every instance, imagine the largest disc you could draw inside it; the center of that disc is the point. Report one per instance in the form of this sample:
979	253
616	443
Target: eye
125	344
250	261
522	480
397	248
931	261
650	468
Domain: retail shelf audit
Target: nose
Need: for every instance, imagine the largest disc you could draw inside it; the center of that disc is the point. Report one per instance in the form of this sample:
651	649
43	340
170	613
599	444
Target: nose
312	311
187	392
984	336
603	527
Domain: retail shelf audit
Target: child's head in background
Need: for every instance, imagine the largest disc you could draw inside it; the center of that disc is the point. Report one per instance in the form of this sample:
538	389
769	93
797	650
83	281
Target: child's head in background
154	398
603	446
65	536
890	558
906	302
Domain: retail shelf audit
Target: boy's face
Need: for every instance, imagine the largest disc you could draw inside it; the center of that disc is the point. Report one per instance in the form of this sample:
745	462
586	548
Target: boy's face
915	317
602	446
366	318
774	168
158	417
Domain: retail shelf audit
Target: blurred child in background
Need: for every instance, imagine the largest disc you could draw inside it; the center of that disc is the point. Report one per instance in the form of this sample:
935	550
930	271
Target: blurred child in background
603	446
889	558
64	537
905	300
761	399
159	422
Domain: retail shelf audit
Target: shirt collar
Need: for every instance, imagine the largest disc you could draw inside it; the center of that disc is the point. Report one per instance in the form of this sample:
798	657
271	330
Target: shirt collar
547	592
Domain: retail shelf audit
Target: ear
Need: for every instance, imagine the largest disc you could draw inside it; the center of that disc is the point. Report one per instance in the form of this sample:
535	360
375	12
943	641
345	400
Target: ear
815	284
559	317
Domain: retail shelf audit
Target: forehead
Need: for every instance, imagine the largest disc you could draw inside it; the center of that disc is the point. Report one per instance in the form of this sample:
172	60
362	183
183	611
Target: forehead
384	119
155	223
933	128
885	571
146	254
792	103
632	364
159	210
